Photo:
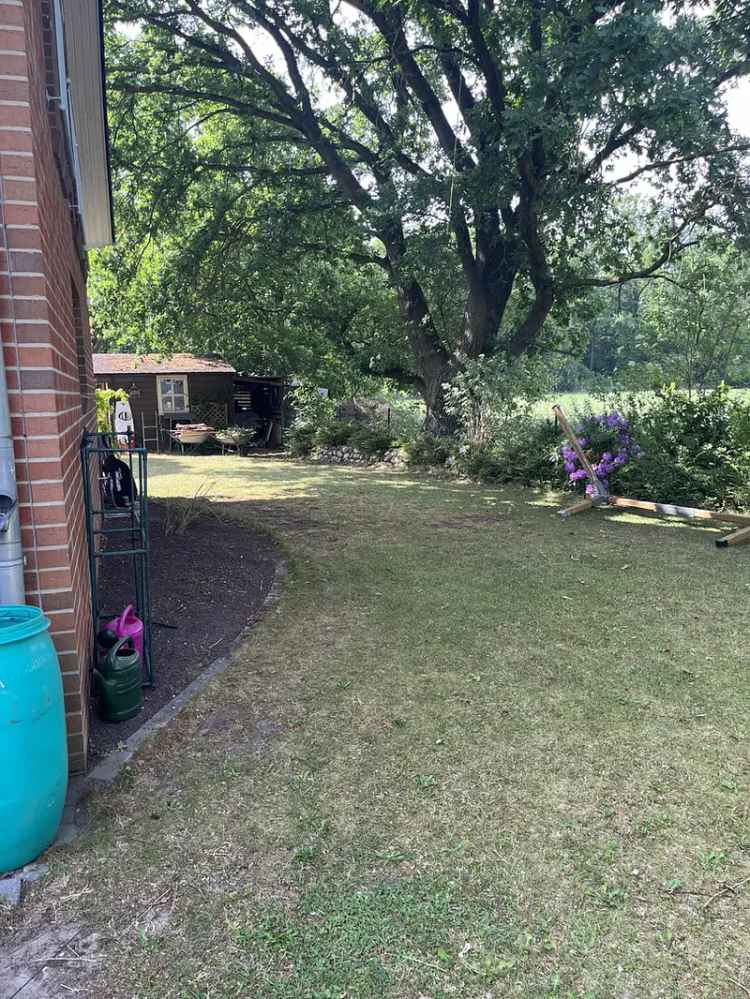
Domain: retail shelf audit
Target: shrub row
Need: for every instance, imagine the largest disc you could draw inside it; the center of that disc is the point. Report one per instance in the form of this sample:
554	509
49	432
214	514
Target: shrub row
372	440
695	451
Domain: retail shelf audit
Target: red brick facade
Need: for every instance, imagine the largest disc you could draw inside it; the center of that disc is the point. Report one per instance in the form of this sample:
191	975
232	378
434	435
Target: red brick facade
46	344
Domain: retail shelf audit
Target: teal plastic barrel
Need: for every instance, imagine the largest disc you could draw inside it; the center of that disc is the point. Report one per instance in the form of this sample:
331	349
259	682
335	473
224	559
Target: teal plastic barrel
33	746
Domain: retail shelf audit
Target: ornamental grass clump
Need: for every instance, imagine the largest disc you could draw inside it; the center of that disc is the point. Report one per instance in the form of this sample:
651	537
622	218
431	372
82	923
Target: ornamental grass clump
607	441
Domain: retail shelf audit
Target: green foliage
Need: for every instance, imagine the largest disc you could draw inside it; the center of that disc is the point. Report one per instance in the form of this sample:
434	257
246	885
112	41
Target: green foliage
603	331
371	440
407	412
489	394
335	433
690	326
696	324
530	454
300	439
479	461
425	450
312	410
316	426
179	513
105	399
209	258
526	451
499	440
277	209
696	451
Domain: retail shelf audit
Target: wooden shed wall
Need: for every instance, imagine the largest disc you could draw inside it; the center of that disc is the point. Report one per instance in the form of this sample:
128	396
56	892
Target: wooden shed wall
202	387
218	387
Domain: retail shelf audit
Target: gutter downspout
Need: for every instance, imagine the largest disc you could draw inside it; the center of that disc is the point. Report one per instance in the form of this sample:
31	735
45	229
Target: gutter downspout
12	590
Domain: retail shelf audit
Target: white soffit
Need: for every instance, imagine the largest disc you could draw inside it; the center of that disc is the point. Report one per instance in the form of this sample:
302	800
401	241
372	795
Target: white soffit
83	45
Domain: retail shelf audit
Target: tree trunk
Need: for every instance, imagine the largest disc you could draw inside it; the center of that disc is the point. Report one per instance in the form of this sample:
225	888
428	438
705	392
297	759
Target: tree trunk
490	278
432	361
434	364
438	421
524	339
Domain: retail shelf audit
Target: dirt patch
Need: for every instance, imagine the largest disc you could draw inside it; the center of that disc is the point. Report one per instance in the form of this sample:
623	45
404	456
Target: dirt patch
233	728
209	584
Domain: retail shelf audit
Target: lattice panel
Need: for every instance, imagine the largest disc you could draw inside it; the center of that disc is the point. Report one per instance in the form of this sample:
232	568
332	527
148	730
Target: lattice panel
215	414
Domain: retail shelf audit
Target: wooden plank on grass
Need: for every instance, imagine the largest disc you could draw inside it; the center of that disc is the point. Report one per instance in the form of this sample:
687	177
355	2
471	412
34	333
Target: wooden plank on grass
672	510
740	537
580	507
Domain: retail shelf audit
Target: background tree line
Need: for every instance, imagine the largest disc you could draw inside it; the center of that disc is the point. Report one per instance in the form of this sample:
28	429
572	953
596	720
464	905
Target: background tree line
370	189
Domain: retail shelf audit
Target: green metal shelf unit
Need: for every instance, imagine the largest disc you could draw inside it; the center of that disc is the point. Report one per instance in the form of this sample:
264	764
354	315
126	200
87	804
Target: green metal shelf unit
118	532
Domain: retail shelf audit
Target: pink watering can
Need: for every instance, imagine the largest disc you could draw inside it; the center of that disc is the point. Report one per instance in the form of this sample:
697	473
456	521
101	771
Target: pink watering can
127	625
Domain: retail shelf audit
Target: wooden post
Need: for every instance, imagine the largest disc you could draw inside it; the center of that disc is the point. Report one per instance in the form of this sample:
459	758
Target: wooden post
558	411
600	490
739	537
688	512
580	507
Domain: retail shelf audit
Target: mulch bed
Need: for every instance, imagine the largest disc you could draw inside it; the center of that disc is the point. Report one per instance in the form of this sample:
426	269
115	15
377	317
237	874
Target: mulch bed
210	582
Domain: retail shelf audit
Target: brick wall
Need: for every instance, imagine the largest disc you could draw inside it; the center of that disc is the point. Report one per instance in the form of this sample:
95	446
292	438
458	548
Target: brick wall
46	344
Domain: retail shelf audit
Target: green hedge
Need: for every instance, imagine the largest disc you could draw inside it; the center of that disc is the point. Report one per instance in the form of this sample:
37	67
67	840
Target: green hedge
372	440
696	451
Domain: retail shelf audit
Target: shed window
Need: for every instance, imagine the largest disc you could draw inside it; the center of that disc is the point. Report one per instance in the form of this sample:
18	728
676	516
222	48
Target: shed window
173	394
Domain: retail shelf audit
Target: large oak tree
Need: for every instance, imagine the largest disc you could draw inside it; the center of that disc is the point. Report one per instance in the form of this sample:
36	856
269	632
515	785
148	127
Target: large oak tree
502	134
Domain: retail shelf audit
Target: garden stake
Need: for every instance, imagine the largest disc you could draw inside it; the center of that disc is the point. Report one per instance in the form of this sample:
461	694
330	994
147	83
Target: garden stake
601	497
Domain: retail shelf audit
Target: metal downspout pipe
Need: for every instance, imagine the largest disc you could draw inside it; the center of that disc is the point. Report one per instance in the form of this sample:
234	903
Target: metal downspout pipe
12	589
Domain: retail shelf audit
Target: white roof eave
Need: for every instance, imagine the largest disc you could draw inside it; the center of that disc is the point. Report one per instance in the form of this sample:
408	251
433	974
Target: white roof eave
83	44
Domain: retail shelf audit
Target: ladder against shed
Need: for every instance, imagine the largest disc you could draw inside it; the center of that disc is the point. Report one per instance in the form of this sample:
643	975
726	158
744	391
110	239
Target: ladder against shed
150	432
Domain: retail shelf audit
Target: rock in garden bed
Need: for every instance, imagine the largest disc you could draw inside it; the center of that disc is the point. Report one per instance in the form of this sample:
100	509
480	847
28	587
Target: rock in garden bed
342	454
345	454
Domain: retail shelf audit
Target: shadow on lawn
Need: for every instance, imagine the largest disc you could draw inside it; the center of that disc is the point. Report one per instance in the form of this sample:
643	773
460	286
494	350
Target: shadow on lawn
501	745
229	480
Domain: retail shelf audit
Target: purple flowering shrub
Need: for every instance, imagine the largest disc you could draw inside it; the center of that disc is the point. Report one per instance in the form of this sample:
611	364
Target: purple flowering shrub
607	442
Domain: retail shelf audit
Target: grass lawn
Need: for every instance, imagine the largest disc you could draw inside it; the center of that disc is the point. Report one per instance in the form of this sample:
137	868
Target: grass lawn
473	752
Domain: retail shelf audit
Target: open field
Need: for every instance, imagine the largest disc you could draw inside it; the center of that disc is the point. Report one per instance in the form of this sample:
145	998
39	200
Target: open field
577	402
473	752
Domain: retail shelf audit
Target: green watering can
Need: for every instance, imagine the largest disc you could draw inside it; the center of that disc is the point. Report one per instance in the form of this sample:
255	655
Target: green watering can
118	678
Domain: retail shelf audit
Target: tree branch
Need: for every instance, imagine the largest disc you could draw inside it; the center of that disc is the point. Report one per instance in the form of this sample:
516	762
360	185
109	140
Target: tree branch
661	164
390	25
672	248
615	140
231	103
